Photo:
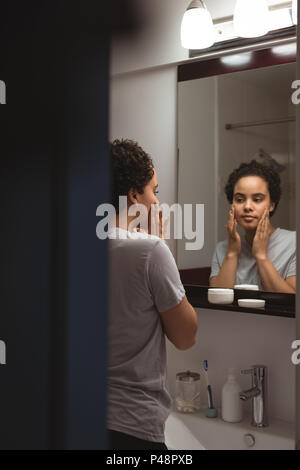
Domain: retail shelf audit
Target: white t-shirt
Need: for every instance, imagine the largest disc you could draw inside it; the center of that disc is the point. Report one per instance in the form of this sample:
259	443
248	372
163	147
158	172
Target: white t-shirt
281	251
144	280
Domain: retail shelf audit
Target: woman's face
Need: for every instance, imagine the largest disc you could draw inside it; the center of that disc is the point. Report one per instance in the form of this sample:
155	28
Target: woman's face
250	199
149	195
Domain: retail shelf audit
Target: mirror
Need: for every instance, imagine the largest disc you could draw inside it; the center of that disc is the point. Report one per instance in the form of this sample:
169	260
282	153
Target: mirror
225	119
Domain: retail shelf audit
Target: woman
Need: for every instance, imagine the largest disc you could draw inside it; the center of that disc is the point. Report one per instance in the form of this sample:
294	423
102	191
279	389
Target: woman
265	255
147	302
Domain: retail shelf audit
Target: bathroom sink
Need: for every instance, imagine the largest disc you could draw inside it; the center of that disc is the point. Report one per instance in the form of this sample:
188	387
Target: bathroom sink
196	432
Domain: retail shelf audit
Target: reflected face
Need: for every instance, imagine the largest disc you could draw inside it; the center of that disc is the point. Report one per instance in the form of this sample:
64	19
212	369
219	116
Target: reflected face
149	195
250	199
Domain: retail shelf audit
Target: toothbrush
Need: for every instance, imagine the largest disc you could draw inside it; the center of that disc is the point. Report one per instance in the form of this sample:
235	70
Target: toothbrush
209	392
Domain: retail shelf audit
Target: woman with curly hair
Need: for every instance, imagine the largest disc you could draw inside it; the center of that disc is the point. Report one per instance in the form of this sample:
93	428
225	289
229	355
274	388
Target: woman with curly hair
266	255
147	303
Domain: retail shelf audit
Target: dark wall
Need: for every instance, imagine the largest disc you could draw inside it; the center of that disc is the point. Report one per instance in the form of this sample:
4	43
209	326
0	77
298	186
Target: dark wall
54	172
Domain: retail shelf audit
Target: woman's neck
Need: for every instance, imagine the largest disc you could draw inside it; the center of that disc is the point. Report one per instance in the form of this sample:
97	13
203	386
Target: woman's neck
123	221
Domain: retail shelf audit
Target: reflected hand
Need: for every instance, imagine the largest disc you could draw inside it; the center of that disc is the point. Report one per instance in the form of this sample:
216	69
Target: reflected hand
261	239
234	240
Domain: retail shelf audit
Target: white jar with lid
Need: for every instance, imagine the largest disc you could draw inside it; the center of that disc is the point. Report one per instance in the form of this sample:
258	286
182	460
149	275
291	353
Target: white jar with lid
232	410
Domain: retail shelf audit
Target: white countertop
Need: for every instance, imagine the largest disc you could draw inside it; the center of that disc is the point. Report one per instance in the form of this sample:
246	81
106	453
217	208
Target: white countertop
196	431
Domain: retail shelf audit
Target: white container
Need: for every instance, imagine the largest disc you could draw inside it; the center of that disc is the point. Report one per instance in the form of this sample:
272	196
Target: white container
220	296
252	303
187	391
246	286
232	410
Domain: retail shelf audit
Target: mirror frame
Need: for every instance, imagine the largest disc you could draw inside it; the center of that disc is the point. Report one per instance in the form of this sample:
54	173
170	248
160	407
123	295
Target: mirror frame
277	304
260	58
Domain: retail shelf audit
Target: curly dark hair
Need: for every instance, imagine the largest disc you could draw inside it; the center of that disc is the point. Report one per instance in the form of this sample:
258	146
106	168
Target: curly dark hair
254	168
132	167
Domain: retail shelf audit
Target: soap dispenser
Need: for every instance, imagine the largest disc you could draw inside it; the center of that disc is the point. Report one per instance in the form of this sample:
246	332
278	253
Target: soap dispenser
232	410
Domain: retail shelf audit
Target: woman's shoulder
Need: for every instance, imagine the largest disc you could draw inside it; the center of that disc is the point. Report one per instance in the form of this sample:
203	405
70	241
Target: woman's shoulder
284	233
285	237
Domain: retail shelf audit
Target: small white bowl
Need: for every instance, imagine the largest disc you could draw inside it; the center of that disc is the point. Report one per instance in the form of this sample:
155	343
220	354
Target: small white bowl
246	286
219	290
251	303
220	296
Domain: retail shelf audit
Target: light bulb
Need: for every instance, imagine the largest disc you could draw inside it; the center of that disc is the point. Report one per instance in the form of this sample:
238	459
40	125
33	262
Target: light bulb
197	29
251	18
295	12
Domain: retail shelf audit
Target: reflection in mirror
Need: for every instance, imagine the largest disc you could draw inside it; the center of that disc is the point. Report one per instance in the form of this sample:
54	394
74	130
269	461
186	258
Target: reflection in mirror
224	121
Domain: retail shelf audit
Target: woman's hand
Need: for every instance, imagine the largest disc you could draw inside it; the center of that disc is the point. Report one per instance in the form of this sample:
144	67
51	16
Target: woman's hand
157	224
234	240
261	238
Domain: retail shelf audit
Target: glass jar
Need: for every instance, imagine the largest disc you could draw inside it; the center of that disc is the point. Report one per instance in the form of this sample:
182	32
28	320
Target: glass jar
187	391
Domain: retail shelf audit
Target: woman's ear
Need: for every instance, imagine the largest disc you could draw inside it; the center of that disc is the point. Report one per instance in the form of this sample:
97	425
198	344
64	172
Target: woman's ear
272	207
132	196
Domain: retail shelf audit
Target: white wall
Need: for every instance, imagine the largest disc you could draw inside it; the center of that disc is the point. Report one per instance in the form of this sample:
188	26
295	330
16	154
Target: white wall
143	108
233	339
158	43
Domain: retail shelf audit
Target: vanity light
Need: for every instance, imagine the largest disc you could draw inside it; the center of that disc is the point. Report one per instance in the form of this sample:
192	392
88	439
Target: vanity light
251	18
280	18
197	30
285	49
294	12
237	60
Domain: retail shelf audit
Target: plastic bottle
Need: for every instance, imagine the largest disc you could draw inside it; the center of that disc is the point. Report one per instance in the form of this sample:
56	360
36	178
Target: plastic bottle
232	410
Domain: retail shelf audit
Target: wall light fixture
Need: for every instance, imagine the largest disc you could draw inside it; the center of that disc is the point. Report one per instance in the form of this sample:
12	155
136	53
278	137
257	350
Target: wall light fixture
295	12
197	29
251	18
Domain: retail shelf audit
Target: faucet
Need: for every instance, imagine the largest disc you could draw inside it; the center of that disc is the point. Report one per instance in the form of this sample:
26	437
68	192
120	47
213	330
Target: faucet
258	394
